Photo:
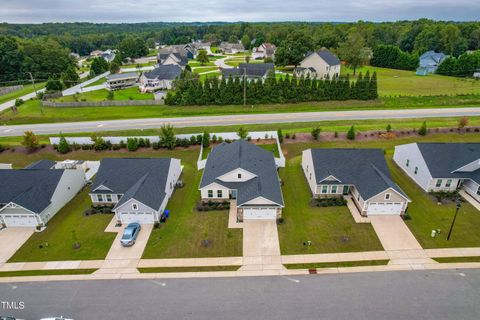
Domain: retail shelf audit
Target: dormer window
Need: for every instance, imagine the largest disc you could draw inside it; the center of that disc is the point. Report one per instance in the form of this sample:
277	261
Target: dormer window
239	176
134	206
387	196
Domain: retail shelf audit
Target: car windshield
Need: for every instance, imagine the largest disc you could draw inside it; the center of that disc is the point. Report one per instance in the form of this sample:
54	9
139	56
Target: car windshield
128	232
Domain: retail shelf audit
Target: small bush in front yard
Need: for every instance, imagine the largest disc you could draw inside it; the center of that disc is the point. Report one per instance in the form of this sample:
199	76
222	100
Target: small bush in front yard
445	197
213	205
328	202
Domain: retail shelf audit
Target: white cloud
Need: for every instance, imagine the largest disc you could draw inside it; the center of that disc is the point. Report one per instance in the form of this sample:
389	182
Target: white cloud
33	11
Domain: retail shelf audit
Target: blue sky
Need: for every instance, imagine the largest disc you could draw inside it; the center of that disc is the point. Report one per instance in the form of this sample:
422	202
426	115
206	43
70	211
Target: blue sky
35	11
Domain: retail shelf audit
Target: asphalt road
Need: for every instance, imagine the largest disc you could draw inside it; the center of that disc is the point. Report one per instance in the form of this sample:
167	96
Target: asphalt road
449	294
204	121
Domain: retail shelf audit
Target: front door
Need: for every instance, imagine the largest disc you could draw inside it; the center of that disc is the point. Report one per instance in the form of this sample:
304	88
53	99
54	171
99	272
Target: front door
233	194
345	190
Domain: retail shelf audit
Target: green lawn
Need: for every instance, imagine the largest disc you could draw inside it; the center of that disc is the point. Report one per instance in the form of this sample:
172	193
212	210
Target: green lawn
393	82
204	69
341	264
234	62
96	83
29	273
101	95
55	243
188	269
31	111
182	235
425	214
196	64
457	259
330	229
17	94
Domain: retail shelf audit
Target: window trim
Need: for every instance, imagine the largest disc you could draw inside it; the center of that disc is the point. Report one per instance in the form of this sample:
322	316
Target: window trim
239	175
219	193
135	206
209	193
416	170
448	184
407	163
107	196
99	198
438	183
332	189
324	187
388	196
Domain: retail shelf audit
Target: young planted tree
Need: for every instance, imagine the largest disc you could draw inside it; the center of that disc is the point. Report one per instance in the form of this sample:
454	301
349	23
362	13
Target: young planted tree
63	146
351	133
206	139
463	122
167	137
389	128
242	133
30	141
423	129
354	51
316	133
132	144
202	57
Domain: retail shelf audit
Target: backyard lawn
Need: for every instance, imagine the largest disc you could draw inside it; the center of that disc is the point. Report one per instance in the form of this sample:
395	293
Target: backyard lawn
55	243
330	229
101	95
204	69
97	83
393	82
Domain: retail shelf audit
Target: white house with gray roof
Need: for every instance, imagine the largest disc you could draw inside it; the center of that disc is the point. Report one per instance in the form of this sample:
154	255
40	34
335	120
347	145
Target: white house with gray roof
320	64
442	166
121	80
247	174
137	188
361	173
30	197
160	78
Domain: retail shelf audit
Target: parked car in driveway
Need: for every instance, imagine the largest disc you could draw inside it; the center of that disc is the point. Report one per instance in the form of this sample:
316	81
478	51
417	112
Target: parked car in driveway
130	234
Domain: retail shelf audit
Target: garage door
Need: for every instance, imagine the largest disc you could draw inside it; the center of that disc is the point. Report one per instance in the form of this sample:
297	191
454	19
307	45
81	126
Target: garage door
384	208
259	213
20	220
140	217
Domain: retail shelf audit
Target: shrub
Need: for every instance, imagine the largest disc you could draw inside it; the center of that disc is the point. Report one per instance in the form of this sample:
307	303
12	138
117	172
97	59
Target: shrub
110	95
351	133
18	102
167	136
463	122
132	144
214	138
328	202
315	133
423	129
122	144
63	146
389	128
30	141
206	139
242	133
335	134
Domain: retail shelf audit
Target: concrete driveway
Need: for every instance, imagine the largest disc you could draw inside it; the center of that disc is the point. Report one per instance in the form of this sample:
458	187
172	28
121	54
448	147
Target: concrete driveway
260	238
118	252
394	233
11	239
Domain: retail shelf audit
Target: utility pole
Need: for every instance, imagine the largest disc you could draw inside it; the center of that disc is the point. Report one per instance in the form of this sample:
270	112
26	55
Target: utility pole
33	82
244	86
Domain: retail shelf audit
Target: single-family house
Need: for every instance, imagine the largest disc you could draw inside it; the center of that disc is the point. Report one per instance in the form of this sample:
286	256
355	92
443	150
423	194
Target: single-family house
320	64
160	78
246	174
361	173
429	62
231	48
108	55
137	188
265	50
121	80
442	167
96	53
172	58
30	197
251	71
199	45
181	51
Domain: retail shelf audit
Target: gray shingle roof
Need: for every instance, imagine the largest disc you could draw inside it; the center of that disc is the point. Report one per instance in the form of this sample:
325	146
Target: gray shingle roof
142	179
443	158
227	157
366	169
164	72
329	57
41	165
31	189
250	69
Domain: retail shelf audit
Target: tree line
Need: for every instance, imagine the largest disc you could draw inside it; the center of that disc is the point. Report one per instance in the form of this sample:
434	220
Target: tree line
463	66
190	90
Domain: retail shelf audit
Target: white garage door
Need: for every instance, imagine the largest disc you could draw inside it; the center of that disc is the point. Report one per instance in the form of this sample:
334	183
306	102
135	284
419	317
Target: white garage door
384	208
20	220
259	213
140	217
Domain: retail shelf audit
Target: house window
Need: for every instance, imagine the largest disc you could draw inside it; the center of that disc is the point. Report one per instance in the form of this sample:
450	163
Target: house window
416	170
324	189
239	176
334	189
99	198
387	196
408	162
439	183
219	193
109	197
449	183
478	191
310	177
210	193
134	206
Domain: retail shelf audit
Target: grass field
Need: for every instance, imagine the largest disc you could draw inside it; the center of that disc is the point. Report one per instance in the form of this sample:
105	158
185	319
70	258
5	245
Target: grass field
393	82
58	272
204	69
195	64
341	264
31	112
17	94
457	259
96	83
55	243
101	95
188	269
136	65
